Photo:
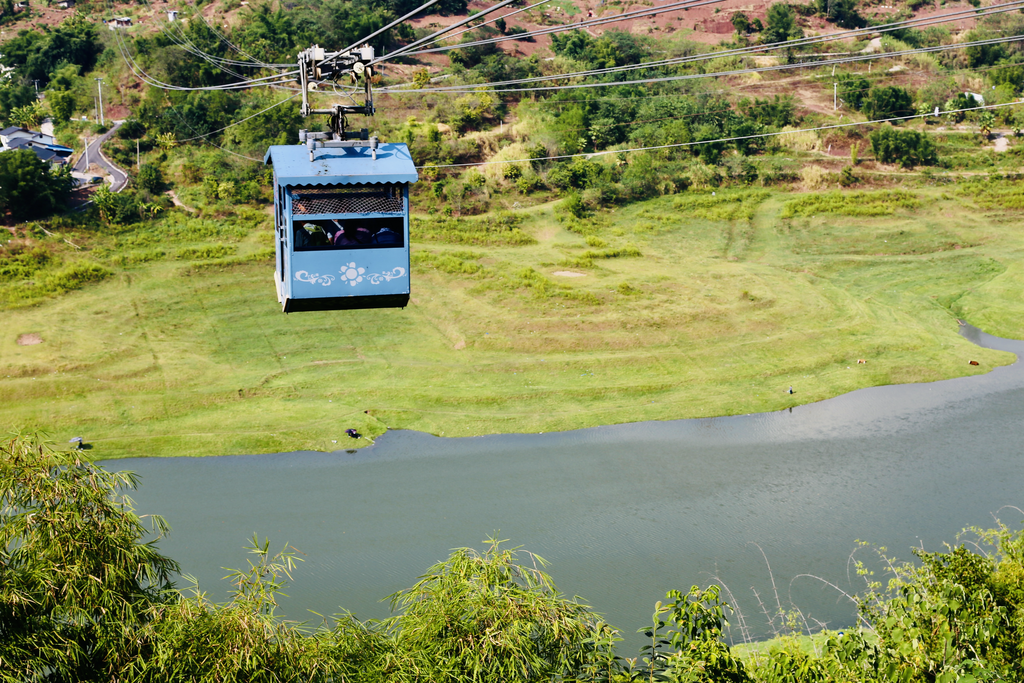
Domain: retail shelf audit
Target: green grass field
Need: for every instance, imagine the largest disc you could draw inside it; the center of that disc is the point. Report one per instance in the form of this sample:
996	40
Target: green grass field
688	305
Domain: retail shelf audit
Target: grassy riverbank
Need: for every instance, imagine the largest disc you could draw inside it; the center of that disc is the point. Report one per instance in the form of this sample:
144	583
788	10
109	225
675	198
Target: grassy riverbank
683	306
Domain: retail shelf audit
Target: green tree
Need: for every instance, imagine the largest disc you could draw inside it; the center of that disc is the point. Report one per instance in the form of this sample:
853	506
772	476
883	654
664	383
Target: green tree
29	115
62	105
76	576
782	24
485	617
907	148
27	187
150	178
741	23
888	102
840	12
116	207
640	177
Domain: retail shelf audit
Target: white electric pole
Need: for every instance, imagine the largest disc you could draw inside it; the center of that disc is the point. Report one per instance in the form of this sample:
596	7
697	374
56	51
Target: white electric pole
835	96
99	85
87	154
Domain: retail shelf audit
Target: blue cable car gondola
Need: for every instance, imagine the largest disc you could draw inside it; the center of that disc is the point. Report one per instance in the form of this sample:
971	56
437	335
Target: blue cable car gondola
341	202
342	225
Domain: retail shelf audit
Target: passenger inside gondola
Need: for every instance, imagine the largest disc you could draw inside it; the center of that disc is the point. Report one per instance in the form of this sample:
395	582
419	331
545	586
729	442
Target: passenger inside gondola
369	233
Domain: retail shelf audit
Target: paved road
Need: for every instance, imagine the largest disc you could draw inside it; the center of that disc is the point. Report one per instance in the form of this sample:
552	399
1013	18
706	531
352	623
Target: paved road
96	157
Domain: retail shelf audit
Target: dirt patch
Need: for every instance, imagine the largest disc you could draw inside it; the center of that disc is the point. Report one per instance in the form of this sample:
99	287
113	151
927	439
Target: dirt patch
29	339
568	273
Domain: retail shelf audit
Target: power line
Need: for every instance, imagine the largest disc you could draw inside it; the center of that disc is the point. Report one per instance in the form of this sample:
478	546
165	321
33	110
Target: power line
403	50
480	25
736	138
235	123
885	28
735	72
635	14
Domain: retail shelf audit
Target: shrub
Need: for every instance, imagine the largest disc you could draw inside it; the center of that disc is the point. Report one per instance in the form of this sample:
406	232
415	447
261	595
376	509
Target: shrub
74	276
150	178
850	204
27	187
907	148
814	177
888	102
132	129
573	205
206	253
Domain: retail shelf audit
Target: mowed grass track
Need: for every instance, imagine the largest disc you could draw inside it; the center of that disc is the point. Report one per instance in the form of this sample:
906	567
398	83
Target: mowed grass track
732	299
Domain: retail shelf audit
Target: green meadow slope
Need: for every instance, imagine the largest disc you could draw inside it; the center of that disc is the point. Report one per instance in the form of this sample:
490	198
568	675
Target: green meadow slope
682	306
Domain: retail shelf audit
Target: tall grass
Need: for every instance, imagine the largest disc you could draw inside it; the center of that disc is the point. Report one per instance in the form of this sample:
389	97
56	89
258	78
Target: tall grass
880	203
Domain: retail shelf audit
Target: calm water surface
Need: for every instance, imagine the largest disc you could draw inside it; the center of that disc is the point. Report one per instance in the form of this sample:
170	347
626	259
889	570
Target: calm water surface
623	513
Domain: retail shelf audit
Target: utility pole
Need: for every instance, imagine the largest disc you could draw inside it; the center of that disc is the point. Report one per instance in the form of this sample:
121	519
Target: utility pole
86	153
36	82
835	96
138	164
99	86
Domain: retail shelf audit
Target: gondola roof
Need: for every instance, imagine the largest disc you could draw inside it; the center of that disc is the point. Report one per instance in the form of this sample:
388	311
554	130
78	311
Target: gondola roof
342	165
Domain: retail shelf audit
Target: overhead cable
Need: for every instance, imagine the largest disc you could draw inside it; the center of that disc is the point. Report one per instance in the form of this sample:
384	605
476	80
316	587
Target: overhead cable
734	72
736	138
403	50
489	21
911	23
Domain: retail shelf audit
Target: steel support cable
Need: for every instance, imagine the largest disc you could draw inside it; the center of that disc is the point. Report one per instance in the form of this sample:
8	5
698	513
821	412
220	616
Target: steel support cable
911	23
182	42
403	50
142	75
504	16
769	46
224	39
379	31
736	138
715	74
240	121
124	48
186	44
128	61
635	14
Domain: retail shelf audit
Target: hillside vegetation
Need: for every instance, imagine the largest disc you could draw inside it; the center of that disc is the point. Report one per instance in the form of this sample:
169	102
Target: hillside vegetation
571	280
682	306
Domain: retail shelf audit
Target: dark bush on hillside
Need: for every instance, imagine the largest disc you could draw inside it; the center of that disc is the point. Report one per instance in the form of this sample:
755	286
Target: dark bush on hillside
781	24
614	48
1013	74
888	102
132	129
779	111
983	55
907	148
741	23
579	174
840	12
150	179
852	90
27	187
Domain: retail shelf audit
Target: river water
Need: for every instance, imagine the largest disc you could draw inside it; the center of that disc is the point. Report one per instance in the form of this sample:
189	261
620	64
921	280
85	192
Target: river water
626	512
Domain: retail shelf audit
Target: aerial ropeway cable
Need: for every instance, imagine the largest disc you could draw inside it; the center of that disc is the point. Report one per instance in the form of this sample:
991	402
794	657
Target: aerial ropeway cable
895	26
735	138
714	74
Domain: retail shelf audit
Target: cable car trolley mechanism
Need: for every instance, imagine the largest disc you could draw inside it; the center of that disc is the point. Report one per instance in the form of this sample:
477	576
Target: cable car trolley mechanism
341	203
